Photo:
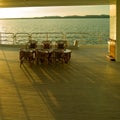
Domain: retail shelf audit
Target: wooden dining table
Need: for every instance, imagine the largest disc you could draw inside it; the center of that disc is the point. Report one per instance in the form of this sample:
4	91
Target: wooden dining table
27	55
67	55
53	55
40	55
44	55
63	55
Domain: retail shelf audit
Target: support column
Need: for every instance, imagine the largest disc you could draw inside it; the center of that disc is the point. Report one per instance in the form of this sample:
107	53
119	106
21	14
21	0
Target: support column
112	41
118	31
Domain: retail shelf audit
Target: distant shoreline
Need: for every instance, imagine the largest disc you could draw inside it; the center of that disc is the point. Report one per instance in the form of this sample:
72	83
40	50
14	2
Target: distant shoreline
65	17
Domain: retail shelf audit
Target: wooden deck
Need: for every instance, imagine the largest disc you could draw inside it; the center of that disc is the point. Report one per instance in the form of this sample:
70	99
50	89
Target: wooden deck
87	88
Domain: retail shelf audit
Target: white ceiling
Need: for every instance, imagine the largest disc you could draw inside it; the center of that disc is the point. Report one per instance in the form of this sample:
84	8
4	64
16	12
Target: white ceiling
28	3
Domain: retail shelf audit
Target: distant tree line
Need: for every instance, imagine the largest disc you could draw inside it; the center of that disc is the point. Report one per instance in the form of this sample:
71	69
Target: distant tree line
75	16
59	17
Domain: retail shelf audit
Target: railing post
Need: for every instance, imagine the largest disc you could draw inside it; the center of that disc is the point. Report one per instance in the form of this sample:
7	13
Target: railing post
0	37
100	38
14	39
47	36
30	37
64	37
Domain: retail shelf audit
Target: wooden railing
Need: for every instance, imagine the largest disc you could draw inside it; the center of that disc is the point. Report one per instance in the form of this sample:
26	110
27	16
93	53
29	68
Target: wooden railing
80	37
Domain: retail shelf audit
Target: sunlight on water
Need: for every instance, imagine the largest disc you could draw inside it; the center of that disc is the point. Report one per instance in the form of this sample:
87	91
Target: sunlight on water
97	27
56	25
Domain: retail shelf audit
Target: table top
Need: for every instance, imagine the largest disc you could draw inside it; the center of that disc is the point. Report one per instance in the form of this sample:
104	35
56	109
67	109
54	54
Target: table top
47	50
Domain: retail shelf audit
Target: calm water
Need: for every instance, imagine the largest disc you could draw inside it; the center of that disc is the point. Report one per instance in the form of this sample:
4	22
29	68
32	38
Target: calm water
99	25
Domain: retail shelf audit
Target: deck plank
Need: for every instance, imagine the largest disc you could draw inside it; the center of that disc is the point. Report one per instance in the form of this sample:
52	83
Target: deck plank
88	87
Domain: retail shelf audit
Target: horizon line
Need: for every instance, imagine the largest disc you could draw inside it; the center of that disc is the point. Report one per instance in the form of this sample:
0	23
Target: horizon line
67	16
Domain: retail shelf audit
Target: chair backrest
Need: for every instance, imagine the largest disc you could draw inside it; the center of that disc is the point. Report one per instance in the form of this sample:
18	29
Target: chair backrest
32	44
61	44
46	44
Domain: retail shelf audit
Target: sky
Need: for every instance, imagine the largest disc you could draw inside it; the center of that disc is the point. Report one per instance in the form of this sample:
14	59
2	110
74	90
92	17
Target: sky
21	12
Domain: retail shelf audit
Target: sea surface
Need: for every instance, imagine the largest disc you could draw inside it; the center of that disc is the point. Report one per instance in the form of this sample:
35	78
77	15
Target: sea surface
99	26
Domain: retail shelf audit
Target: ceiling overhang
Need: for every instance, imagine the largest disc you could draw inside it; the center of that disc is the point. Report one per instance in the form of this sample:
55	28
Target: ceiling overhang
36	3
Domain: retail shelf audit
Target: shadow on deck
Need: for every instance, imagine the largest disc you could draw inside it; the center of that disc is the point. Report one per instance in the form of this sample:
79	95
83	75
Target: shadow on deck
87	88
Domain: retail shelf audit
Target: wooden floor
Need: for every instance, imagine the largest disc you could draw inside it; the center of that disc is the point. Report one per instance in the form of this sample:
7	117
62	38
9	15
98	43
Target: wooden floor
87	88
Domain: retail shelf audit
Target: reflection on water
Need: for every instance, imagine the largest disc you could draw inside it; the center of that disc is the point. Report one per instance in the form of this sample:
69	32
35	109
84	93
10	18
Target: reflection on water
97	27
